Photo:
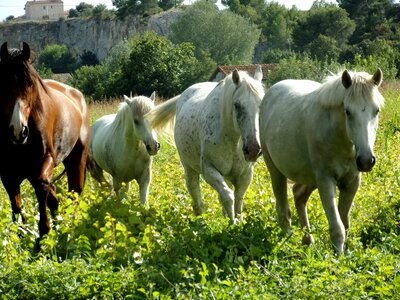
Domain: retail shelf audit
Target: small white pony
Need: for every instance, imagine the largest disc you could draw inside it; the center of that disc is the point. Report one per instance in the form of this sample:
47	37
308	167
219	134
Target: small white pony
320	136
216	135
122	145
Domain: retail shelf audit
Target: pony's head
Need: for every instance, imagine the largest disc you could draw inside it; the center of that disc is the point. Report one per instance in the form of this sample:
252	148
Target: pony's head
139	107
17	91
362	102
246	94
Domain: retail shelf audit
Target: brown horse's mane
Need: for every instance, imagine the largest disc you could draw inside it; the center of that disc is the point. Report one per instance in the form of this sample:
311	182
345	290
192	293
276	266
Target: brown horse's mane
20	74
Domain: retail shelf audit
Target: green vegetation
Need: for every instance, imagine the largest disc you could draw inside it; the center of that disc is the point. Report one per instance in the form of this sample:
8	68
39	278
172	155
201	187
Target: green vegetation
102	247
228	38
57	58
142	65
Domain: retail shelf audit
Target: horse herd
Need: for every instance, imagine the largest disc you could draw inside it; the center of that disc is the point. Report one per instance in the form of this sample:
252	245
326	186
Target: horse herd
318	135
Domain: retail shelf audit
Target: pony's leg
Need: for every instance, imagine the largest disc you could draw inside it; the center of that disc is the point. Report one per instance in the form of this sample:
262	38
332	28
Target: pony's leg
327	192
301	194
144	183
193	186
279	187
13	190
226	196
347	192
75	166
241	185
96	171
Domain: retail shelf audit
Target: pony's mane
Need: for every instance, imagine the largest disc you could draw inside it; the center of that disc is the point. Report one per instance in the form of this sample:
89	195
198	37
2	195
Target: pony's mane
139	106
332	93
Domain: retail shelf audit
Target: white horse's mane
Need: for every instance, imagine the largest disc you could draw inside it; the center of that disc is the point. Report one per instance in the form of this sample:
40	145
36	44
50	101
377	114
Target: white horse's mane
332	93
247	84
139	106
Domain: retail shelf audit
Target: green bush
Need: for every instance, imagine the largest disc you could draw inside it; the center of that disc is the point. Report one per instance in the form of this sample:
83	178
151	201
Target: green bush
57	58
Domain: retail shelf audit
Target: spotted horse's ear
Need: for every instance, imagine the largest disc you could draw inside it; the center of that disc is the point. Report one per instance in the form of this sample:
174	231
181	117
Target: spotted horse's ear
127	99
235	77
153	96
258	74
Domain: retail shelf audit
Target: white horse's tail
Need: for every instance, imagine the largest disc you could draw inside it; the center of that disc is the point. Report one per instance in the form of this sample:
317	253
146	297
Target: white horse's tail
162	118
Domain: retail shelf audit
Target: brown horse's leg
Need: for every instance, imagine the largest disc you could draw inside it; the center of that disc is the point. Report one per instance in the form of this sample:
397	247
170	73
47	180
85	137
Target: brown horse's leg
45	193
14	193
75	166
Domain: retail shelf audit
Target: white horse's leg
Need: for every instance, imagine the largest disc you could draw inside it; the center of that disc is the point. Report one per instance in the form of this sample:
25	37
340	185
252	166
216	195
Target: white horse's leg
279	186
327	191
301	194
144	183
116	184
347	193
226	196
193	187
241	185
120	190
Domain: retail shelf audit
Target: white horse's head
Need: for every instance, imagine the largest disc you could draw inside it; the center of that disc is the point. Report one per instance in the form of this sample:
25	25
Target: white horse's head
246	102
140	106
361	108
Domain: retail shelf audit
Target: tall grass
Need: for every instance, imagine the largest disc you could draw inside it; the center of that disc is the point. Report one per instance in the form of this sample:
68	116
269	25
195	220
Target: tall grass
104	247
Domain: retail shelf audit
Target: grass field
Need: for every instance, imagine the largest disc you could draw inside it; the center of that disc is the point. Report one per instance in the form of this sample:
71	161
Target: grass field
104	248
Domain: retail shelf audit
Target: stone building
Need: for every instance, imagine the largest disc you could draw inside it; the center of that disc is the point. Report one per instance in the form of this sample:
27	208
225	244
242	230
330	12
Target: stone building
44	9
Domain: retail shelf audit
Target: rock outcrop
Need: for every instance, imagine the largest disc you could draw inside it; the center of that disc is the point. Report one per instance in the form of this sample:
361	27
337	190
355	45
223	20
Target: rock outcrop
97	36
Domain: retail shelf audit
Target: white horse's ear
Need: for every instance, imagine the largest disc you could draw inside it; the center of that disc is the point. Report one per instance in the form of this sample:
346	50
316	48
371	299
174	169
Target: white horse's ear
153	96
346	79
235	77
258	74
378	77
127	99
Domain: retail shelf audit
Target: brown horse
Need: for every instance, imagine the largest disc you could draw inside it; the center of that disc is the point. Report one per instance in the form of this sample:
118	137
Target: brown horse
42	123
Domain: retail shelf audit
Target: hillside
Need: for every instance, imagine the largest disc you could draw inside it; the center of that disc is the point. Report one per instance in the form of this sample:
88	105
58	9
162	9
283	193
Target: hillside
97	36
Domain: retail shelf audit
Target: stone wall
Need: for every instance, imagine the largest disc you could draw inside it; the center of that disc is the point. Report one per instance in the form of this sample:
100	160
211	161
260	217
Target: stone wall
97	36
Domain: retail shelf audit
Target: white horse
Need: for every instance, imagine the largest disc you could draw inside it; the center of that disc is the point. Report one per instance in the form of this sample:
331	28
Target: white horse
216	135
320	136
122	145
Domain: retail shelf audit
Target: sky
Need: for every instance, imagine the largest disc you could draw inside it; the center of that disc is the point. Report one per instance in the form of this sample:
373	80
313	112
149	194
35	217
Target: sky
16	7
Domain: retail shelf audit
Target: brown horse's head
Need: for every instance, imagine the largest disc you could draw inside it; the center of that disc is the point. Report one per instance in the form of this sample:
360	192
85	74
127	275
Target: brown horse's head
18	80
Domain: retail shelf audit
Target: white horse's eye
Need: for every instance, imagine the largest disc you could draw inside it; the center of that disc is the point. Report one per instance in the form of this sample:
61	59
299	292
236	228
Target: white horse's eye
136	122
377	112
347	112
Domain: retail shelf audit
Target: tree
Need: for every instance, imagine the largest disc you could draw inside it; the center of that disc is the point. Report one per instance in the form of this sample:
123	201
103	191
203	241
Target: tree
143	65
368	15
88	58
105	79
324	48
277	25
155	64
57	58
227	37
249	9
168	4
81	10
329	21
135	7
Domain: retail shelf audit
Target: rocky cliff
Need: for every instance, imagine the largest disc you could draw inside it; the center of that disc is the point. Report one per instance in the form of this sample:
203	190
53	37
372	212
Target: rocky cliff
97	36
